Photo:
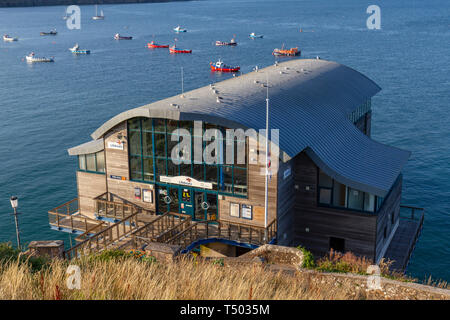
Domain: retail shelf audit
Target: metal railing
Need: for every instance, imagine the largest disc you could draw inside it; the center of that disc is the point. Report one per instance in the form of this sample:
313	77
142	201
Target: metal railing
414	214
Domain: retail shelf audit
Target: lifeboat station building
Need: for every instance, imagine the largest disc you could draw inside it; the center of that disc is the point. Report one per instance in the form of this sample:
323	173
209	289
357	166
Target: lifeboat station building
191	170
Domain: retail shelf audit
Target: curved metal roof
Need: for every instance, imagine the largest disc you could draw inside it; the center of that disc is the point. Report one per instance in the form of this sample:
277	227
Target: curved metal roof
309	102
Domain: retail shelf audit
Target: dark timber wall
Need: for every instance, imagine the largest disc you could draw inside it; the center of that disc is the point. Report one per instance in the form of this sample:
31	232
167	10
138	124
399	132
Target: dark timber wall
364	123
285	203
313	225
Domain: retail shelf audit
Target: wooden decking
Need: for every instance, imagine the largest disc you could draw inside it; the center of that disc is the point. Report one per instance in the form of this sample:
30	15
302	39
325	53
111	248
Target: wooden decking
405	238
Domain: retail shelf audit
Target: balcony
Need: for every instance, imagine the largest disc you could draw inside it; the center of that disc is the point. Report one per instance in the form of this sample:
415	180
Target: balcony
67	218
405	238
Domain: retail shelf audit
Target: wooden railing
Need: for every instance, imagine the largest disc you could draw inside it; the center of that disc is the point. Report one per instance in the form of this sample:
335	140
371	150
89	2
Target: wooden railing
100	226
153	231
112	206
65	216
224	230
105	238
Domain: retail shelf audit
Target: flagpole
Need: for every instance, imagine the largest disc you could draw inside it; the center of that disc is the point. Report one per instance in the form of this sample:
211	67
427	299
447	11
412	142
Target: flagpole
266	187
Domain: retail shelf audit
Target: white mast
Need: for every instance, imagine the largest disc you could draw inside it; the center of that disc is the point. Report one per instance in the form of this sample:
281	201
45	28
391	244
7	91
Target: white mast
266	187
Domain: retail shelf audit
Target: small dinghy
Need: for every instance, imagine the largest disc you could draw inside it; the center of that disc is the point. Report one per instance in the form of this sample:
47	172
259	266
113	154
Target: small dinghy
174	49
222	43
76	49
32	58
119	37
221	67
179	29
8	38
256	36
51	33
155	45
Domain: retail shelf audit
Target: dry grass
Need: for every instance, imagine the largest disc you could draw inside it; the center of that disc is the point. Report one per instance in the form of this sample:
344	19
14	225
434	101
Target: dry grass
130	278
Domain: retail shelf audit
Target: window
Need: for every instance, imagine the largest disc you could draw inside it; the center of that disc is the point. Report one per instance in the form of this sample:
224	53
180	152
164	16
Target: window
150	154
335	194
92	162
337	244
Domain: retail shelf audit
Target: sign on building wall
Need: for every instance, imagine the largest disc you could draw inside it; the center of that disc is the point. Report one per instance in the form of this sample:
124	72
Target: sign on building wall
137	193
117	177
247	211
118	145
147	195
234	210
186	181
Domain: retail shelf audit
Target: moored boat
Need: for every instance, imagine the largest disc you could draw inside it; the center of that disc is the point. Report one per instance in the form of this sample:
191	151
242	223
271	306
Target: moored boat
174	49
152	44
98	17
221	67
32	58
76	49
119	37
223	43
286	52
255	36
51	33
8	38
179	29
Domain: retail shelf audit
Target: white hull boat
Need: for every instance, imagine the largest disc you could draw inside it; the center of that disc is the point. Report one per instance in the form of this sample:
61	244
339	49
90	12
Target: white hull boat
32	58
8	38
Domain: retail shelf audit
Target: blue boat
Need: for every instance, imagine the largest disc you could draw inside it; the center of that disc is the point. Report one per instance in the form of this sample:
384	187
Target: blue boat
76	49
254	36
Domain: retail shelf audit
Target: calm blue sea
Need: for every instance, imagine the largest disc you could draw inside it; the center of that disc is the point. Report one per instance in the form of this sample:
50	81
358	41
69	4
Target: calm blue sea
47	108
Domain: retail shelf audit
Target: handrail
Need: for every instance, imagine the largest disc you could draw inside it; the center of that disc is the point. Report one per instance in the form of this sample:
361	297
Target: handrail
106	236
154	229
66	204
90	230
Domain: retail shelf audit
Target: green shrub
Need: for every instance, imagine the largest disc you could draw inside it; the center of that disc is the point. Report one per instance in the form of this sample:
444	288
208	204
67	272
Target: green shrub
308	258
108	255
8	253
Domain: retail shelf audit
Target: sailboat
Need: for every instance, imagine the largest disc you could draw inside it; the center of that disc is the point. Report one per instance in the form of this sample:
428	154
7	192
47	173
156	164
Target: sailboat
98	17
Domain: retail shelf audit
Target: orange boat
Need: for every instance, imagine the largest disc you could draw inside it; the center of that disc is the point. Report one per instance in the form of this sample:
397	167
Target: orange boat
286	52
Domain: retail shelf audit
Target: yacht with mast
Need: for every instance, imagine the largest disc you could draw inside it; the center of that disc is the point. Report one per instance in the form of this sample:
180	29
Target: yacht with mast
98	17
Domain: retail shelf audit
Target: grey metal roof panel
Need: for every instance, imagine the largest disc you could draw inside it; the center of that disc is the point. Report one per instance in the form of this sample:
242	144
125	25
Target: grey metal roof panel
86	148
309	102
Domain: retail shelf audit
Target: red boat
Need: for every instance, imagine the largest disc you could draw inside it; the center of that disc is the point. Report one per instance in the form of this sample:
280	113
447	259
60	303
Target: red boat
174	49
220	66
155	45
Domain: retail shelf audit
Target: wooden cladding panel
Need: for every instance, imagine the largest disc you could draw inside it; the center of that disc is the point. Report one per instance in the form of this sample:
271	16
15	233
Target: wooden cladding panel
90	185
313	225
125	190
117	160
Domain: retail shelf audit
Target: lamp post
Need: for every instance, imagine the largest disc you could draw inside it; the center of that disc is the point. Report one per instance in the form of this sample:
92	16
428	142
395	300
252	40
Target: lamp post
14	204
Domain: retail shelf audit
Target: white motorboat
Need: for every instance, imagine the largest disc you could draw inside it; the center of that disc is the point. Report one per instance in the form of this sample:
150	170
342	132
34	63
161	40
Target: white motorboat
8	38
32	58
179	29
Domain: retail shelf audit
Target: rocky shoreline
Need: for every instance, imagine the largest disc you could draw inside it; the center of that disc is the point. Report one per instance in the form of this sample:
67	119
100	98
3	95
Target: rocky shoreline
36	3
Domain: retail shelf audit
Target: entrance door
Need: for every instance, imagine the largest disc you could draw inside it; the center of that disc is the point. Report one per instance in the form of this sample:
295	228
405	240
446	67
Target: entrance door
167	200
186	201
205	206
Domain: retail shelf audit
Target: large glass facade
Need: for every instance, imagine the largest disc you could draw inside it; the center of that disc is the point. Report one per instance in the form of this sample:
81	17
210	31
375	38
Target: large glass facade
154	151
92	162
334	194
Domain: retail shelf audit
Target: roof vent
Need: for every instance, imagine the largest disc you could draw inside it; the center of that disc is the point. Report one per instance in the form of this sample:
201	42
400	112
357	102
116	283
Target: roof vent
215	91
218	99
276	63
281	72
182	96
286	68
256	69
318	58
175	105
256	81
